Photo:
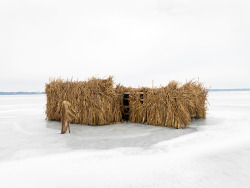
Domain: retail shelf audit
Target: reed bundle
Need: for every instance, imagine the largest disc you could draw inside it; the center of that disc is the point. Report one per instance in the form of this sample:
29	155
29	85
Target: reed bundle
138	105
171	106
95	101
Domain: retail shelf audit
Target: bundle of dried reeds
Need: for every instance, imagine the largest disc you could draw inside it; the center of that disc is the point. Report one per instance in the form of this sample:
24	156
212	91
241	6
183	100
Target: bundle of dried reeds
195	98
171	106
95	101
137	105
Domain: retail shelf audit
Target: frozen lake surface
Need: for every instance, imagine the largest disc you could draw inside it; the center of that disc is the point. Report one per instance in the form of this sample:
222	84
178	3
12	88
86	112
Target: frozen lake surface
209	153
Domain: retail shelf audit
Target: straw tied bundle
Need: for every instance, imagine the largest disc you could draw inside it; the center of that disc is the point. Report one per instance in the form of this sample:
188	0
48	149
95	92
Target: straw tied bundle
95	101
98	102
170	106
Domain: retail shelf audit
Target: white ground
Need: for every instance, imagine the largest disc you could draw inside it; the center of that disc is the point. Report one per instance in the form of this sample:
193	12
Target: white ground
210	153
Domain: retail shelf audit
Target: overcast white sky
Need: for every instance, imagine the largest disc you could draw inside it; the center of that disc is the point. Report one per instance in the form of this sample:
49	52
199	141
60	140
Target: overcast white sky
136	41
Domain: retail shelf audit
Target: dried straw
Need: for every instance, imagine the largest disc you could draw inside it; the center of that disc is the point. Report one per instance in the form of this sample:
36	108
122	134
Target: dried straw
171	106
98	102
95	101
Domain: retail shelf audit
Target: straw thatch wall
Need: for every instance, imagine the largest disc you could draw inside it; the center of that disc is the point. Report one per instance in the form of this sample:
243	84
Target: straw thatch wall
138	105
97	102
171	106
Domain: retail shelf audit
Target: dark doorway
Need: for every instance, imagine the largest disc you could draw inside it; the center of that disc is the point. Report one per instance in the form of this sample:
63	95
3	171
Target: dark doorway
125	114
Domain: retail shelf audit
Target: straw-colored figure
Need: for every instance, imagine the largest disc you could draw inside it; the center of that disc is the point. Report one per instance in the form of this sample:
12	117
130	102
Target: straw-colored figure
67	115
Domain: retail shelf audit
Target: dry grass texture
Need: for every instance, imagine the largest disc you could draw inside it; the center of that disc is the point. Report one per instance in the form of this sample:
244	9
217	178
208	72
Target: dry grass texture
171	106
138	105
97	102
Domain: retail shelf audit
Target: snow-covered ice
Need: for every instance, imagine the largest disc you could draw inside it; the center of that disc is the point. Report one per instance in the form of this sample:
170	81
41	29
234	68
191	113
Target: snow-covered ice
209	153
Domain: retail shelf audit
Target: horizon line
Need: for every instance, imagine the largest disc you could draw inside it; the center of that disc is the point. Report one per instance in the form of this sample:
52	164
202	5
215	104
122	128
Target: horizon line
43	92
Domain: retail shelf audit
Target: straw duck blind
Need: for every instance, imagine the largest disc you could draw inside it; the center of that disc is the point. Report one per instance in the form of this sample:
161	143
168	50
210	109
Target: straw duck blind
98	102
